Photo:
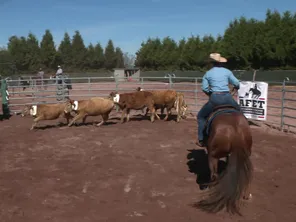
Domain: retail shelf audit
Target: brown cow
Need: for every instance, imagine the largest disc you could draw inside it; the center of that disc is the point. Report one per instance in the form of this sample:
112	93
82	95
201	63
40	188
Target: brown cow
92	107
169	99
48	112
155	106
134	100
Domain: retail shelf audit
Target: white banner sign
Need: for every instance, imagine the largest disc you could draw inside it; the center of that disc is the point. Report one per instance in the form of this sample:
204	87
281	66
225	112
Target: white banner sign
252	97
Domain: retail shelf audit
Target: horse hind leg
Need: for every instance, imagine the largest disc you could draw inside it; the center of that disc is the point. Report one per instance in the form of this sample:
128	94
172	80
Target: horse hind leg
213	165
247	194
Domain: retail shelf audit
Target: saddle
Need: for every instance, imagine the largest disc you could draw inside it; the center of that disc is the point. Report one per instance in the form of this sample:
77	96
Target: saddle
216	112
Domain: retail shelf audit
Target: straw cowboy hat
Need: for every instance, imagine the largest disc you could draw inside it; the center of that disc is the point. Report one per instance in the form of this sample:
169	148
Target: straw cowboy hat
216	57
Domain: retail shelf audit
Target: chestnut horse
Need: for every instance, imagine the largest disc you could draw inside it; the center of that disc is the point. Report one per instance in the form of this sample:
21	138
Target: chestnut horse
228	134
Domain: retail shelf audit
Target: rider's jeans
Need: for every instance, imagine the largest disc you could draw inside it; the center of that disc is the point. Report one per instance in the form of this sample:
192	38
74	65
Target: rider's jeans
207	109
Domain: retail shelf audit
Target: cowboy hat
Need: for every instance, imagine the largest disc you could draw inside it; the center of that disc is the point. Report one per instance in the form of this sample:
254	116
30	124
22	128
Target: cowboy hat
216	57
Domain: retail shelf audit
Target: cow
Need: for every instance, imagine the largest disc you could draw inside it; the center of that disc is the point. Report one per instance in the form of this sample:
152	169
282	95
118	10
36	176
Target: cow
155	106
48	112
168	99
92	107
135	100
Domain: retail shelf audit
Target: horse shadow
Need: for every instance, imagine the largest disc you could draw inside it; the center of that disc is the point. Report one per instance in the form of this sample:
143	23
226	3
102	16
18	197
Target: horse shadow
199	165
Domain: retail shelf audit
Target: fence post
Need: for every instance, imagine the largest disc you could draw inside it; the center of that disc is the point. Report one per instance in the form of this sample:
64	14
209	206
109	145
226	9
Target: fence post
254	75
283	104
170	79
142	82
89	85
5	99
195	94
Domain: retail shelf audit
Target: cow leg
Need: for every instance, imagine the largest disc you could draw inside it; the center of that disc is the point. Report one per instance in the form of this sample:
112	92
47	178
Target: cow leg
77	117
105	118
84	119
152	115
36	120
146	111
68	116
128	115
168	113
152	109
157	116
179	115
122	115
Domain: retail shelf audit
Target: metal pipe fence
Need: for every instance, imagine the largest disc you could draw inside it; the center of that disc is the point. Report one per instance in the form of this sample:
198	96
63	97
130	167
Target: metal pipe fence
281	111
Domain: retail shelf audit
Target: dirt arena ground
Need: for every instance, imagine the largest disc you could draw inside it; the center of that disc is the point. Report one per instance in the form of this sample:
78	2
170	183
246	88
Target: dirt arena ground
137	171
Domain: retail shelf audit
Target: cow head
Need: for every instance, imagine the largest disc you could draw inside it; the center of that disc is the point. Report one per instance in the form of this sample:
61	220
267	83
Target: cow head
114	96
69	106
26	110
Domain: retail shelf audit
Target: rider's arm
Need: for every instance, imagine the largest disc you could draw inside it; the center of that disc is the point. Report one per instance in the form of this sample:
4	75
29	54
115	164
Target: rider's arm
233	80
205	85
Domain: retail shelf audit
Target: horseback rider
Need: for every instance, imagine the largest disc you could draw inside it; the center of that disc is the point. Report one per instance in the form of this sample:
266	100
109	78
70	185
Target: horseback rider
215	85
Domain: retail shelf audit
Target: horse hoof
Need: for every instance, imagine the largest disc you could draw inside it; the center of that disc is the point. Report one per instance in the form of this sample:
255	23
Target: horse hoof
203	187
249	197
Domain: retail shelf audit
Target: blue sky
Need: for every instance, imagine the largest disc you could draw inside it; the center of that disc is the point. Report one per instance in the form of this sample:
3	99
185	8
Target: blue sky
127	22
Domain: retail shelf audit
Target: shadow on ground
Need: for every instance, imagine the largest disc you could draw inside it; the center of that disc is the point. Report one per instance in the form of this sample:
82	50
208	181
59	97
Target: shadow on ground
199	165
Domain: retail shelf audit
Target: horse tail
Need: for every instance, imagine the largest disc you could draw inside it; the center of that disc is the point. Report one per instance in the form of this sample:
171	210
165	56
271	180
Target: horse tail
231	186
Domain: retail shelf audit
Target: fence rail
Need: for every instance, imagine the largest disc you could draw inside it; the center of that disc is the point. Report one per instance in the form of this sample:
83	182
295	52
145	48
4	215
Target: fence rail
281	109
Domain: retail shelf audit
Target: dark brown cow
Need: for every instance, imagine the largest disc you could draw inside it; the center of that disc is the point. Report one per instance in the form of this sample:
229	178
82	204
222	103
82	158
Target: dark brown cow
134	100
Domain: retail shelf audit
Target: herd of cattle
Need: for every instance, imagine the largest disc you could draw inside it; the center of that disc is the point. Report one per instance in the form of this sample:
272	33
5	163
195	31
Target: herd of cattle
137	100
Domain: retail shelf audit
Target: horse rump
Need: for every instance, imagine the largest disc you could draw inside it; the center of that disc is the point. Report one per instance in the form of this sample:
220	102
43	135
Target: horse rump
234	182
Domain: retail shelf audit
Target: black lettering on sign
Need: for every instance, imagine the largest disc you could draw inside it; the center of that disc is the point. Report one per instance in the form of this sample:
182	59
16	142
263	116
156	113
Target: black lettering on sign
252	103
261	104
253	111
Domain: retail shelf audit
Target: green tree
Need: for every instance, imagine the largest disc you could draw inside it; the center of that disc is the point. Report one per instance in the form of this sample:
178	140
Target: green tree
65	51
17	48
90	58
79	52
168	54
119	58
110	55
99	60
33	53
47	50
6	63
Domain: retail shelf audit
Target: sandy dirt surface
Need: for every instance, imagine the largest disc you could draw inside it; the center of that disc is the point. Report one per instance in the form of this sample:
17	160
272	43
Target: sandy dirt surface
137	171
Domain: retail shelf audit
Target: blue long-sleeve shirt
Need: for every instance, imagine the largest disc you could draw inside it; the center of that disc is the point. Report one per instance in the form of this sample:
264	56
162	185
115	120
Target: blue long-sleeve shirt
217	80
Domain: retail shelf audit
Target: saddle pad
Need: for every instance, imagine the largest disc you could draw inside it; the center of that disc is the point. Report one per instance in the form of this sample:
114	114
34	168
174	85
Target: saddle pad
213	116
